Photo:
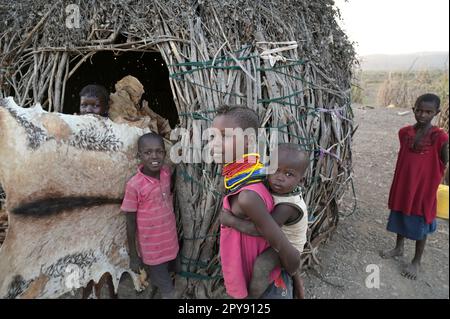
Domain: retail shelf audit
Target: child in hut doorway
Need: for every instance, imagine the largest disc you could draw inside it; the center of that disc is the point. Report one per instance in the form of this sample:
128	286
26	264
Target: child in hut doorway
290	213
247	197
420	166
94	99
150	216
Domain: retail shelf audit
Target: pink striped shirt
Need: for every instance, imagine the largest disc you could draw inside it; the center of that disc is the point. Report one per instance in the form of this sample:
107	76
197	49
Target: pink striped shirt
238	251
151	199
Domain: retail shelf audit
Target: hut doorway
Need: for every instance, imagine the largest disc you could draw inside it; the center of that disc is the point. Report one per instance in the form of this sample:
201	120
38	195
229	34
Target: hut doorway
107	67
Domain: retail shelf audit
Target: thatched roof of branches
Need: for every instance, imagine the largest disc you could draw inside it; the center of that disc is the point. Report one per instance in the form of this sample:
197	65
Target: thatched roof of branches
288	60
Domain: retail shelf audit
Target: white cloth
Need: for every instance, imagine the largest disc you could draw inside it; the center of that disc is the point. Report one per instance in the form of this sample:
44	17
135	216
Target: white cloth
295	233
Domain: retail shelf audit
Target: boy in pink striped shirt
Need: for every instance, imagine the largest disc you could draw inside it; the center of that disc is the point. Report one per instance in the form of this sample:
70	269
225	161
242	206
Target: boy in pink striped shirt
150	215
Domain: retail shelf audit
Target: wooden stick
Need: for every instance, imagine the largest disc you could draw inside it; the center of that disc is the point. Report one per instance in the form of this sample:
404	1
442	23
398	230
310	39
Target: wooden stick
58	82
52	76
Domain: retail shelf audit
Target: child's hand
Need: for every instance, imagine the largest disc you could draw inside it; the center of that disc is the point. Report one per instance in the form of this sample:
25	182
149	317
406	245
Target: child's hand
290	259
135	264
225	217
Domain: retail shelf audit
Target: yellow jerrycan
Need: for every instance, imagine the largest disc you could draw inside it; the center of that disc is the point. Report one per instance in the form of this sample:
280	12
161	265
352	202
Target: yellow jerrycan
442	201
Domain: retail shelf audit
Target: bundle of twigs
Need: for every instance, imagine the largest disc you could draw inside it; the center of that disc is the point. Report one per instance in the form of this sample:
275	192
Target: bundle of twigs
288	60
443	116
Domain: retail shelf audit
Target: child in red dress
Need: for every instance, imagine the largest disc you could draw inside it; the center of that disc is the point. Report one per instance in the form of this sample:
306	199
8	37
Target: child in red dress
420	166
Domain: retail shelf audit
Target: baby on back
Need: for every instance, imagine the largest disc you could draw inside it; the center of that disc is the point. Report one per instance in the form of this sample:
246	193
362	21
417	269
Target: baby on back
290	213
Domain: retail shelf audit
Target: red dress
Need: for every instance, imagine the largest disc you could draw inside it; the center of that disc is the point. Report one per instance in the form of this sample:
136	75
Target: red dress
418	173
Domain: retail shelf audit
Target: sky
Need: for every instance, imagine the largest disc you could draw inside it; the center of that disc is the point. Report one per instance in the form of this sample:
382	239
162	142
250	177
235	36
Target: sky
396	26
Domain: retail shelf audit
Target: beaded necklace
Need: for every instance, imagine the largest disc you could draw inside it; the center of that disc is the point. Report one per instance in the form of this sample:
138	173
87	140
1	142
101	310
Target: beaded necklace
238	174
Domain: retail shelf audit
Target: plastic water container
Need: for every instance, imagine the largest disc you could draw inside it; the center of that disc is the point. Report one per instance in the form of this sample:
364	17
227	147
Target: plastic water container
442	201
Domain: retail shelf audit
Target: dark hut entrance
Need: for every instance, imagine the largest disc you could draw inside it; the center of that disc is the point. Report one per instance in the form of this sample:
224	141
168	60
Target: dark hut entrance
107	67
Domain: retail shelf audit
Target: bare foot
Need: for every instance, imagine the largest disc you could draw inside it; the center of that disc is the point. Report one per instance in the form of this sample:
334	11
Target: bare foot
411	271
396	252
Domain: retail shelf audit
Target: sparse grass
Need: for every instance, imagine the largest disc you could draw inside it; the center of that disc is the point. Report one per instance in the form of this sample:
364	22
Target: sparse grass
382	88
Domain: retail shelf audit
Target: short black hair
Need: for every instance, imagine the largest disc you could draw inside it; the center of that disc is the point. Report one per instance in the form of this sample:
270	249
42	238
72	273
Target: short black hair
431	98
294	148
150	135
95	90
245	117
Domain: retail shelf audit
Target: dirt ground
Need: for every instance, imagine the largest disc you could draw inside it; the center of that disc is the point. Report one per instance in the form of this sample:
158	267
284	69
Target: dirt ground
359	237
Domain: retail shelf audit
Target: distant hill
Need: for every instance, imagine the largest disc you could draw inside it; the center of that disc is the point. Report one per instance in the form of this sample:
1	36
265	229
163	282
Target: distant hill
403	62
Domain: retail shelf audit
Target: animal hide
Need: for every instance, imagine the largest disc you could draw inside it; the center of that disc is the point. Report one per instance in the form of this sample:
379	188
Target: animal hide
124	106
64	178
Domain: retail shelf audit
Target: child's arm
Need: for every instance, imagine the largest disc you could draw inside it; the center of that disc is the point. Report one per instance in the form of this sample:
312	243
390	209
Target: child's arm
130	207
444	153
253	206
244	226
281	214
131	236
173	177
